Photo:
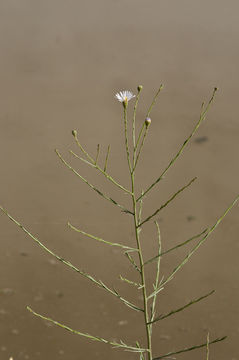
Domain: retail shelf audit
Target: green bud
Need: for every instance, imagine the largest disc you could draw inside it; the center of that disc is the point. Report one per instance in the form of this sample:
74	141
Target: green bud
147	121
74	133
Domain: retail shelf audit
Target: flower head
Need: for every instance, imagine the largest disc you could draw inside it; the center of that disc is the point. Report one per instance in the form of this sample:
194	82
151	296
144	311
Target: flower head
124	96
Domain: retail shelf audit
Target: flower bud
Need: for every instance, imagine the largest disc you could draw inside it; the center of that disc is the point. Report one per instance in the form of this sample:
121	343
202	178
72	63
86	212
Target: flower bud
74	133
139	88
147	121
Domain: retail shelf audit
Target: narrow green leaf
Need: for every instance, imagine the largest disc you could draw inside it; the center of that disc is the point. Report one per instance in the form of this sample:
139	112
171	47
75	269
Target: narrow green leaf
68	263
185	260
129	257
89	184
201	119
97	153
109	177
189	349
176	247
167	202
154	100
99	239
208	342
140	88
139	286
121	344
106	158
161	317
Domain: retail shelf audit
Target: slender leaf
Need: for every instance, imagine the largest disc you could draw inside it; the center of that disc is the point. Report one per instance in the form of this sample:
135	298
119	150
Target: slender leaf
189	349
95	166
99	239
154	100
185	260
139	286
121	344
69	264
161	317
201	119
167	202
90	185
106	158
176	247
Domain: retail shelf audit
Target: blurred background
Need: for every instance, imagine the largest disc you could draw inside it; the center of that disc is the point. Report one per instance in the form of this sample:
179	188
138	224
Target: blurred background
61	64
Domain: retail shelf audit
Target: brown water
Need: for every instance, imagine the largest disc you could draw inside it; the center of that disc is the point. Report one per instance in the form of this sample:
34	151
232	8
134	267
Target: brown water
61	63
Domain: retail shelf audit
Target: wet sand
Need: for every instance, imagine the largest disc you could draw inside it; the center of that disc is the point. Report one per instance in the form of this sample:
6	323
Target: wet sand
61	64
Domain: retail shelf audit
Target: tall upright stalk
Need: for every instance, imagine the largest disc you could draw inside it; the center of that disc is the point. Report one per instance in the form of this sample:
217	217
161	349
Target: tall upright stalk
136	221
142	271
149	306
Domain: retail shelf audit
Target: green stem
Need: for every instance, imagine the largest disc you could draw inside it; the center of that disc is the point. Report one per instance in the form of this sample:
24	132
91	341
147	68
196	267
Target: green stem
140	148
126	136
134	115
142	272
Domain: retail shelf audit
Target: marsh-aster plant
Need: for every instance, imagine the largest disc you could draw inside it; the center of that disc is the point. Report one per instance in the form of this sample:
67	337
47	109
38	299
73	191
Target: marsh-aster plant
134	140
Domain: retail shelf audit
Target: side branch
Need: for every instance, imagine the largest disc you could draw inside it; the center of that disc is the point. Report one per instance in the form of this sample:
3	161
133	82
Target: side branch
121	344
154	100
185	260
94	165
99	239
70	265
190	348
161	317
92	186
201	119
167	202
175	247
156	284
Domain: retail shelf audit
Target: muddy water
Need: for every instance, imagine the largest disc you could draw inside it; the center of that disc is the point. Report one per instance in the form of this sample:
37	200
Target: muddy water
60	65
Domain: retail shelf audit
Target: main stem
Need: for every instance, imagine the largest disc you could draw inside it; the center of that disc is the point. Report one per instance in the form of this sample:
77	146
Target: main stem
144	291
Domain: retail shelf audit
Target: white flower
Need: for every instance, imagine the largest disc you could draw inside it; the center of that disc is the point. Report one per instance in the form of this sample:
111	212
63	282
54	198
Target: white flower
124	96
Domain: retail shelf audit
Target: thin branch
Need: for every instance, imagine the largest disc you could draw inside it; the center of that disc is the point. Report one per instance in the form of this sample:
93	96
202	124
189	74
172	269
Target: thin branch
176	247
140	148
99	239
138	286
201	119
161	317
139	137
69	264
93	162
134	114
155	292
154	100
185	260
74	133
90	185
116	293
141	357
121	344
109	177
106	158
140	211
207	350
167	202
97	154
189	349
153	311
129	257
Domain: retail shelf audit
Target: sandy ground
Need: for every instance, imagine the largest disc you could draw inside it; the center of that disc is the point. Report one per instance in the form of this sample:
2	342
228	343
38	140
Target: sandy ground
61	63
